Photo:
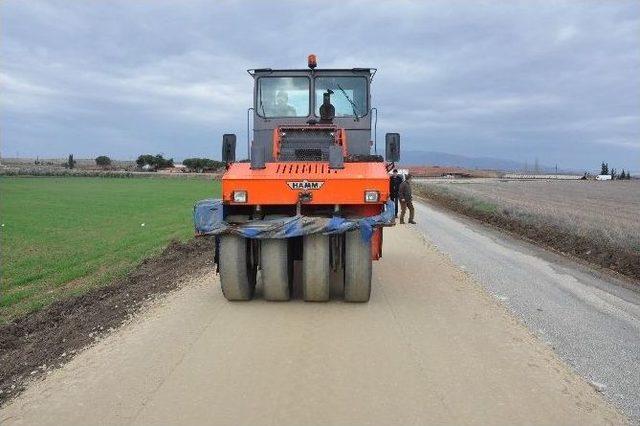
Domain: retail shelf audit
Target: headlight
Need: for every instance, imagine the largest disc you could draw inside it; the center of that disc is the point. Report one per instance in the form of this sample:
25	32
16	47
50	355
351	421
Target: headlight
239	196
371	196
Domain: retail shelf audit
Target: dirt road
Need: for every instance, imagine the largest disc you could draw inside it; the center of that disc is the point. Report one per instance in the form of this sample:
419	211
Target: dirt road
431	347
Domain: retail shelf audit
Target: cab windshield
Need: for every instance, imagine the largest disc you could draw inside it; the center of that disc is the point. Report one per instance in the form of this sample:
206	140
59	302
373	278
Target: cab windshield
349	95
283	97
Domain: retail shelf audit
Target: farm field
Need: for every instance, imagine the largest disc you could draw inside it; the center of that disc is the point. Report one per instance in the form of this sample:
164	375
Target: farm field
64	236
599	221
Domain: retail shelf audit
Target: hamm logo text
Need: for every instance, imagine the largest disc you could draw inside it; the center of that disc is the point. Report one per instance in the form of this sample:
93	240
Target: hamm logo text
305	184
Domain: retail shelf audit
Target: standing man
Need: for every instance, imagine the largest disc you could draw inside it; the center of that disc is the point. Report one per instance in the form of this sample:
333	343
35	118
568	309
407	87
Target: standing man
404	193
396	180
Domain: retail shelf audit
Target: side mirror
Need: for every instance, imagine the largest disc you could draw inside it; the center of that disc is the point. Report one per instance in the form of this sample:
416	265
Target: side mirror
228	148
392	151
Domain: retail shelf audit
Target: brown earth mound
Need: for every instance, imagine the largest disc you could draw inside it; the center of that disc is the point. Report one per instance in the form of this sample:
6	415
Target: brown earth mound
45	339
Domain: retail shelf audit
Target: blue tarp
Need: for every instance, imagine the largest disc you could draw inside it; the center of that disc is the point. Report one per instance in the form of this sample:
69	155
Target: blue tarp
208	218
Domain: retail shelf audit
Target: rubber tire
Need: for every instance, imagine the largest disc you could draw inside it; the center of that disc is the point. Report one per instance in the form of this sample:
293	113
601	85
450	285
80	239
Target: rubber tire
357	268
274	260
237	278
316	268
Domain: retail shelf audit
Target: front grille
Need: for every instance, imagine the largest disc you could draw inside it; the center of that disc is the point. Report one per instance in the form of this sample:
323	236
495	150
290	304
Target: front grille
310	154
306	144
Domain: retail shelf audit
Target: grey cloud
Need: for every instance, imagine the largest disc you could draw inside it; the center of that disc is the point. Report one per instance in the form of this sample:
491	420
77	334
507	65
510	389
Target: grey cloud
517	80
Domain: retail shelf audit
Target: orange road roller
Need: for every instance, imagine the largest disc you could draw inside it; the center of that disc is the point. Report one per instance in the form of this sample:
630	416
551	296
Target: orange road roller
311	190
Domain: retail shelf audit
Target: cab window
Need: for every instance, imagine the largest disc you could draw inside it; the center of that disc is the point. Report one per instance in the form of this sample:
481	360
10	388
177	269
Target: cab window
349	95
283	97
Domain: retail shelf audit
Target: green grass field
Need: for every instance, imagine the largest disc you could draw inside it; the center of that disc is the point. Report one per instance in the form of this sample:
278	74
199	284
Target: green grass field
63	236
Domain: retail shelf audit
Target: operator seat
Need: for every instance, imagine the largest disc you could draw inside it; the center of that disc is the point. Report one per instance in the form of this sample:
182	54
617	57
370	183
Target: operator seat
327	111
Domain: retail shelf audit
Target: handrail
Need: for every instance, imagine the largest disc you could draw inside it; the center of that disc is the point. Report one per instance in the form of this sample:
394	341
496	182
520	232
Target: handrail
249	134
375	130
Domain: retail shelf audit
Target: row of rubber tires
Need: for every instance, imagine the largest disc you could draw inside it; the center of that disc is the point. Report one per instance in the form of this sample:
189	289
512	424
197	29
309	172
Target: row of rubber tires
238	276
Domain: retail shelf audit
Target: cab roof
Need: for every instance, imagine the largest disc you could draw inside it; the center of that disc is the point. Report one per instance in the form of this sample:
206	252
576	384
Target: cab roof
253	71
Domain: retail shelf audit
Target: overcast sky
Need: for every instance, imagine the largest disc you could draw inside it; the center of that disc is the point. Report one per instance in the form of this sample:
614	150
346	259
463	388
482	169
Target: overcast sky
517	80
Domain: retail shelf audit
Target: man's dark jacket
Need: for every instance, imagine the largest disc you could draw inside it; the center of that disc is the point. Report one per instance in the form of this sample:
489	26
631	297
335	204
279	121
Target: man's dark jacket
396	180
404	192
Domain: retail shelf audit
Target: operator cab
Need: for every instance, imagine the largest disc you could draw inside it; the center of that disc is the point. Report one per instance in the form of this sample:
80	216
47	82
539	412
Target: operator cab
311	99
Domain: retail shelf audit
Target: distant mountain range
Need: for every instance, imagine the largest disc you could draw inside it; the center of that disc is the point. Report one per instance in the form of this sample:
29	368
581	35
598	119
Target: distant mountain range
418	158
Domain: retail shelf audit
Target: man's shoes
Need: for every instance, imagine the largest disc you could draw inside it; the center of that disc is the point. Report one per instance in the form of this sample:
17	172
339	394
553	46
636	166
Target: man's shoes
402	222
412	221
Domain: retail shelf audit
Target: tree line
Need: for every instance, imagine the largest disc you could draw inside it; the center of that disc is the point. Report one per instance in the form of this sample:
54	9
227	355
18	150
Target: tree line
154	162
200	165
157	162
604	170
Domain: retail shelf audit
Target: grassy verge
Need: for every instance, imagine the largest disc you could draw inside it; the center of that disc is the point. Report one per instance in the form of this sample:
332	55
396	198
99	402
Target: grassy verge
64	236
591	246
36	343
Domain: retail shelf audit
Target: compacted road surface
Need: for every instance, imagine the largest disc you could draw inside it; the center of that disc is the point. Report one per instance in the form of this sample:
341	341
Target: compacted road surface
431	347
